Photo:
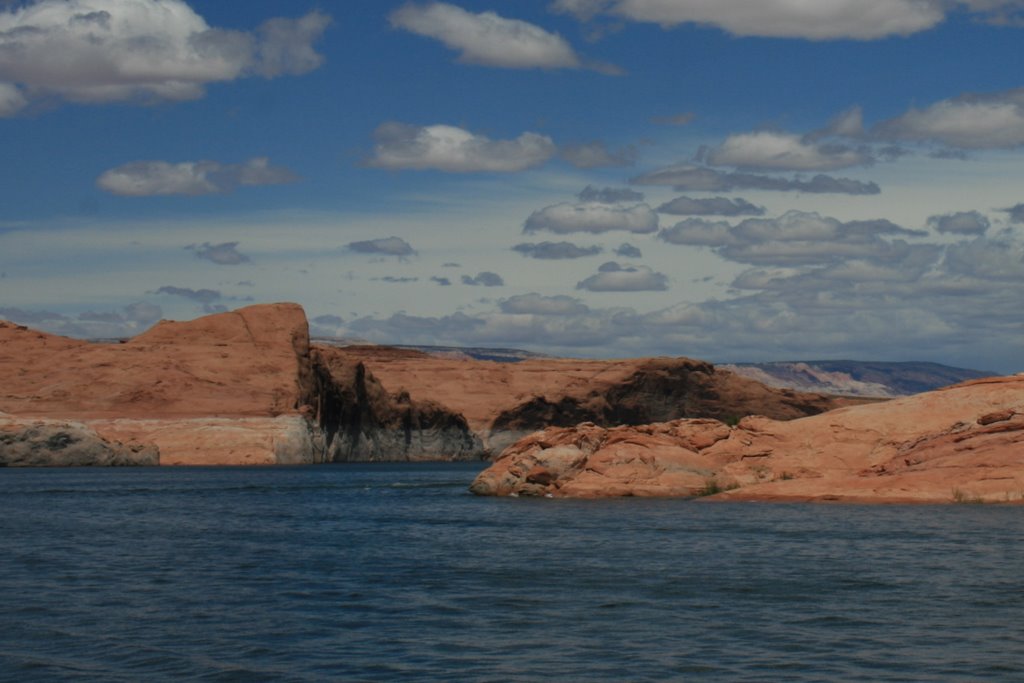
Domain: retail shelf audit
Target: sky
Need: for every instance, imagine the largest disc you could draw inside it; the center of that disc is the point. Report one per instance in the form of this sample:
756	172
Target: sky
729	180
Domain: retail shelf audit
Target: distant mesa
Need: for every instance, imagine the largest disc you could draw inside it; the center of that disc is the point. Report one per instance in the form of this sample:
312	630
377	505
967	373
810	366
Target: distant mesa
856	378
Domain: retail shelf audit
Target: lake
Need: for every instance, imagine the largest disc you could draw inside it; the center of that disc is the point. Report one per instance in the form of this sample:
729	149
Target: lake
393	572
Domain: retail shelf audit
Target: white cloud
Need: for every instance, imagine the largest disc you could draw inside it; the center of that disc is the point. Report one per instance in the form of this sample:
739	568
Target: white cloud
223	254
484	279
710	206
609	195
95	51
968	122
150	178
11	100
795	238
613	277
535	304
783	151
699	232
487	38
960	223
691	178
810	19
390	246
452	149
593	217
555	250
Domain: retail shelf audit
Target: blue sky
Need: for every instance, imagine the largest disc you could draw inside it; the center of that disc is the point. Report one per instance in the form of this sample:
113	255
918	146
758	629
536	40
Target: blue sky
729	180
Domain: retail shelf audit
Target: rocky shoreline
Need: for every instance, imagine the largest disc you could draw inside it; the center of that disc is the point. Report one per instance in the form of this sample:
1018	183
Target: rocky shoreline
249	388
960	444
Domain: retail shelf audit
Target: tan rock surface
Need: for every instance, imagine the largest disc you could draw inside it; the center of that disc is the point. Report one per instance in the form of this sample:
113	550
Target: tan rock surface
223	389
249	362
238	388
506	401
963	443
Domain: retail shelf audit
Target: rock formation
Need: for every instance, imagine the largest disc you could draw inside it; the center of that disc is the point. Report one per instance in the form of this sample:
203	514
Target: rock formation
363	422
963	443
46	443
503	402
243	387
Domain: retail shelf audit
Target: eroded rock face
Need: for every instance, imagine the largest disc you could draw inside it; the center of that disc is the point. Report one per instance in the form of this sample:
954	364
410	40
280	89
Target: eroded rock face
362	421
52	443
961	443
503	402
238	388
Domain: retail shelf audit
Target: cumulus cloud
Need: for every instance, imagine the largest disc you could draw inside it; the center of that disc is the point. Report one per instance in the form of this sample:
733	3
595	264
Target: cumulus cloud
769	150
613	277
597	155
1016	213
960	223
223	254
487	39
691	178
609	195
954	303
592	217
699	232
838	19
555	250
970	121
484	279
152	178
96	51
795	238
441	281
389	246
711	206
452	149
203	296
627	250
535	304
999	259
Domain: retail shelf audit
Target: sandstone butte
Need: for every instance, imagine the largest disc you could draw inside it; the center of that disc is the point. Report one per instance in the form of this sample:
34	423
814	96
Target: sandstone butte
959	444
248	387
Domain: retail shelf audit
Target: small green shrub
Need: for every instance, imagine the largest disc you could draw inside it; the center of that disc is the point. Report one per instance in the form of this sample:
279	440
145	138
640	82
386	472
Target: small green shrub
712	486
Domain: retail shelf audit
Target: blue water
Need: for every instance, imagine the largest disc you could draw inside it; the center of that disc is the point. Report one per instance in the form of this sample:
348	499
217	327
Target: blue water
394	572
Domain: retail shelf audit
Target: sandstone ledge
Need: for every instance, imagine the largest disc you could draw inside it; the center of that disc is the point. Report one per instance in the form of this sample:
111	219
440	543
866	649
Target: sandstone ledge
960	444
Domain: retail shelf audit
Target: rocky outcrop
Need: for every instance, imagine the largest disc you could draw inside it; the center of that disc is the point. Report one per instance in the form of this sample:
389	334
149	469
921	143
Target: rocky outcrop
964	443
503	402
238	388
52	443
658	390
362	421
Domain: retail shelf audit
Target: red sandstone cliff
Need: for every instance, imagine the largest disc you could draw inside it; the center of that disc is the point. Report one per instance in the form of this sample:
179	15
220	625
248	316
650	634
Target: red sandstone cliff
962	443
503	402
233	388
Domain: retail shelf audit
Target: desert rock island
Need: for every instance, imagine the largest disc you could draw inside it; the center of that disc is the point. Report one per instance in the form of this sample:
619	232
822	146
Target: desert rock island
249	388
